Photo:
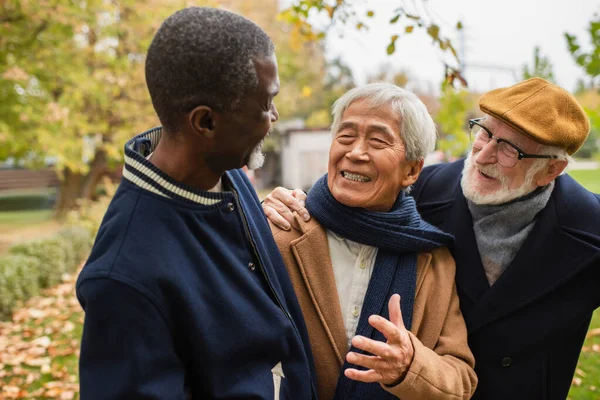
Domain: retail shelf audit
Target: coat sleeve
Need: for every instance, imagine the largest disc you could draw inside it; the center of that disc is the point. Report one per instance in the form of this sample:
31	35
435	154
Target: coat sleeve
444	372
127	349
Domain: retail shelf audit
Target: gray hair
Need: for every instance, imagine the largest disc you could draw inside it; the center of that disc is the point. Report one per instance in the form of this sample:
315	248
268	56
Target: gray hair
203	56
417	129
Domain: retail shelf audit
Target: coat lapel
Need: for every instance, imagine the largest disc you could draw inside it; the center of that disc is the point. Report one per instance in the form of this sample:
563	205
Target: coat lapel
470	275
547	258
312	255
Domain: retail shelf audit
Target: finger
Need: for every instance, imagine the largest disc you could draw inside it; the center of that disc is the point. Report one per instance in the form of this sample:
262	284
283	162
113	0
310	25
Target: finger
286	197
275	217
369	362
389	330
371	346
364	376
396	312
300	196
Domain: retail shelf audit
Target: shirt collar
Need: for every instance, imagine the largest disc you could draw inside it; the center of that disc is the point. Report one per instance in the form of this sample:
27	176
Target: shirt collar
142	173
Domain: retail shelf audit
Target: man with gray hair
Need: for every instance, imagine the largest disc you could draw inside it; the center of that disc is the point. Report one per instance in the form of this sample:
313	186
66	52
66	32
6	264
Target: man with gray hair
527	239
185	293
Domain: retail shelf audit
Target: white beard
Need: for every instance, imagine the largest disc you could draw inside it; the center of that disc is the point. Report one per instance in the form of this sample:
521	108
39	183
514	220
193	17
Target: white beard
257	157
503	195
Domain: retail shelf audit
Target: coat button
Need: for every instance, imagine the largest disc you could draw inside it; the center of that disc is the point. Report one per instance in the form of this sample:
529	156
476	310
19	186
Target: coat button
506	362
251	266
230	207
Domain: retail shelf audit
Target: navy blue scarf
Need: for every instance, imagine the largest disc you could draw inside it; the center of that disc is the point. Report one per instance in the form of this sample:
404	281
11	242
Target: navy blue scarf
400	235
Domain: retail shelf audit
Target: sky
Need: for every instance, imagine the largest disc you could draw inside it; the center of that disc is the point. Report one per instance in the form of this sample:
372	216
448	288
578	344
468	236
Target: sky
499	37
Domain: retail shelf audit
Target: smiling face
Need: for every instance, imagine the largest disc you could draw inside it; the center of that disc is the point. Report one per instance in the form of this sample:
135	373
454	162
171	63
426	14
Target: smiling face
367	159
239	133
485	181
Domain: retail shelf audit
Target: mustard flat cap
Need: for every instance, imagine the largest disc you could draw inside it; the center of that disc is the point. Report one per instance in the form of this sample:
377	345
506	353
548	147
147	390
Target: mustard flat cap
547	113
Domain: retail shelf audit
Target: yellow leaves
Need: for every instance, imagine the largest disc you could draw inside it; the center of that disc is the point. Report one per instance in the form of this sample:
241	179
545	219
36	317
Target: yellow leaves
330	10
434	31
306	91
370	14
409	29
459	25
392	46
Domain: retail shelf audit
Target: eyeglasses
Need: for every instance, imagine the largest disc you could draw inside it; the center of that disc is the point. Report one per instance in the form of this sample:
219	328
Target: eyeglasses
507	153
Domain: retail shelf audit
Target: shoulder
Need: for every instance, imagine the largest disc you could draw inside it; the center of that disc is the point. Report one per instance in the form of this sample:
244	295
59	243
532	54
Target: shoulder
285	238
440	264
576	207
438	182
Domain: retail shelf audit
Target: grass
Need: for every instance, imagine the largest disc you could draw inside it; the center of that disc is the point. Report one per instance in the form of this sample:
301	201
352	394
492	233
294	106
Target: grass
590	178
586	383
10	220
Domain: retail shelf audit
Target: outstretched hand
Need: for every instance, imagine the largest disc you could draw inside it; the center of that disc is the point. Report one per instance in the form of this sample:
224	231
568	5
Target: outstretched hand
391	360
280	204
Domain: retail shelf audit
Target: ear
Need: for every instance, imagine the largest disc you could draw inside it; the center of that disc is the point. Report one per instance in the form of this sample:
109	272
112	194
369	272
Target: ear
202	121
552	170
413	173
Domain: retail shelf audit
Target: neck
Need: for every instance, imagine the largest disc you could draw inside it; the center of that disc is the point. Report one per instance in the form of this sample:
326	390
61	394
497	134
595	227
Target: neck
175	158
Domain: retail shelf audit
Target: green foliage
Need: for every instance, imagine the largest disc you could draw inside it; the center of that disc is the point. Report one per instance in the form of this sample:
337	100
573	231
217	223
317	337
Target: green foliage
51	254
542	67
39	264
19	277
588	60
344	11
452	116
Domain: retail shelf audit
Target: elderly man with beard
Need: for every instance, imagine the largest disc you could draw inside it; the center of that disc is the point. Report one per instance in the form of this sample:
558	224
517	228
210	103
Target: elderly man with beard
527	239
185	294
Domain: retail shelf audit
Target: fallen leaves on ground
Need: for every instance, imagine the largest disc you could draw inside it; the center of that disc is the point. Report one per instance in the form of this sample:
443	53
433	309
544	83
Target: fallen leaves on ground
39	348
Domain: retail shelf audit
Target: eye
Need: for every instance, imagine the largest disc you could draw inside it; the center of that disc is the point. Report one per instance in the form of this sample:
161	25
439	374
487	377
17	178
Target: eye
345	138
378	143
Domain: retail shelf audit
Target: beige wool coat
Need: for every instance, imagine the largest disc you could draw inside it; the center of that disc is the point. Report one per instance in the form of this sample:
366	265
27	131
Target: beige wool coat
442	367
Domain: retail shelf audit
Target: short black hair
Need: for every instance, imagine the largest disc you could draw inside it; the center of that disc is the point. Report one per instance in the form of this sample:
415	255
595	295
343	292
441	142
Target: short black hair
203	56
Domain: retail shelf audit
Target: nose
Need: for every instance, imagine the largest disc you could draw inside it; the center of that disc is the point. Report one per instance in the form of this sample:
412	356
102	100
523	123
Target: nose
488	154
274	114
358	152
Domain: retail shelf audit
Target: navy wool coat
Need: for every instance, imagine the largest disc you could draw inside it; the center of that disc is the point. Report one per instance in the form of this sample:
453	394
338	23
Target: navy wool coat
527	330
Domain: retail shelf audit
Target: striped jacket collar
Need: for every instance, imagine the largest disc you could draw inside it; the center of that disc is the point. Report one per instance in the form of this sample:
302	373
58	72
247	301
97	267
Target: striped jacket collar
141	172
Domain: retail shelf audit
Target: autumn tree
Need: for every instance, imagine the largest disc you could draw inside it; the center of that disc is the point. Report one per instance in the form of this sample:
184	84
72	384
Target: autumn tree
72	87
75	79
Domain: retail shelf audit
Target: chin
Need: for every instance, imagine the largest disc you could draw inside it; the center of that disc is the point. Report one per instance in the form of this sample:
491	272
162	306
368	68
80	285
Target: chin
473	190
257	158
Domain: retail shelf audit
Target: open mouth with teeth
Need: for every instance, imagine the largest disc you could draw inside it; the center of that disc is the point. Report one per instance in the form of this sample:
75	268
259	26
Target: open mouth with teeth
355	177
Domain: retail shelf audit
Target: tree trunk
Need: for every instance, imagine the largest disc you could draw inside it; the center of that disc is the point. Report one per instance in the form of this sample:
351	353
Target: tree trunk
69	192
98	169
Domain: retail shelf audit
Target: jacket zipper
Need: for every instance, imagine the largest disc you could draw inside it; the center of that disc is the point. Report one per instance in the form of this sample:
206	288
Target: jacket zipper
247	229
